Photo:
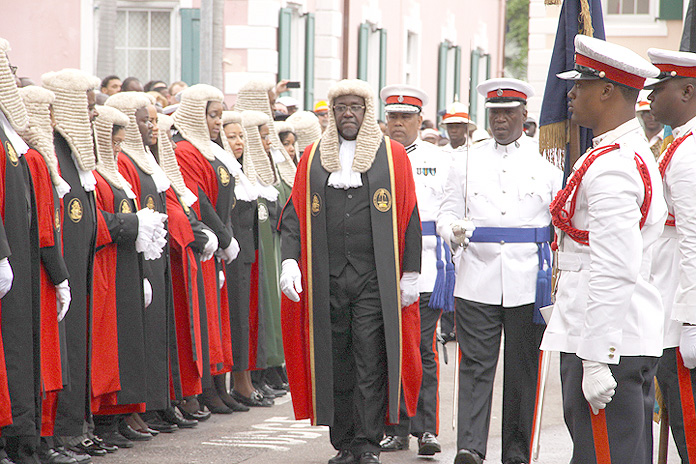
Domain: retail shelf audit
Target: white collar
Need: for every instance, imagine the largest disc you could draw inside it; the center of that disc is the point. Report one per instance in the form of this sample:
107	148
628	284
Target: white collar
345	178
611	136
685	128
511	147
19	145
158	176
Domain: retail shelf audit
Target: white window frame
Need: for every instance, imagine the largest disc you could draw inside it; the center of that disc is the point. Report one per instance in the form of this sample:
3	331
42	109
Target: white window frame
298	26
172	8
630	25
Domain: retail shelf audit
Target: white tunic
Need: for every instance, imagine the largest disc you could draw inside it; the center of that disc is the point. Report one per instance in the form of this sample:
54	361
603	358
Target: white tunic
674	256
430	168
509	186
605	307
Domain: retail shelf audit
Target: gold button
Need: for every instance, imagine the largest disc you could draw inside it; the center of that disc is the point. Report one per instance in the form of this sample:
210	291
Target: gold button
612	349
611	355
502	242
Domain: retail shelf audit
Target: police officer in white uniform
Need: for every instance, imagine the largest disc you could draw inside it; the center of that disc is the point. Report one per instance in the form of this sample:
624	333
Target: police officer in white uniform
403	105
673	102
501	206
459	127
607	320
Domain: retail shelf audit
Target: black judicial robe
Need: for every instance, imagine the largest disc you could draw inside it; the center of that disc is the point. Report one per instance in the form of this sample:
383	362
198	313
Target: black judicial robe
20	307
79	235
160	333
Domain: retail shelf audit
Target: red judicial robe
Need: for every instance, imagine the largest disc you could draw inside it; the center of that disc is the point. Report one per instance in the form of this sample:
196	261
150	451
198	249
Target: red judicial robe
306	323
53	271
202	179
118	349
184	268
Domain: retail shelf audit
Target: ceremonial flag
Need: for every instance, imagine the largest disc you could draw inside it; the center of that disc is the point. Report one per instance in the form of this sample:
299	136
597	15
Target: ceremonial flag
688	40
577	17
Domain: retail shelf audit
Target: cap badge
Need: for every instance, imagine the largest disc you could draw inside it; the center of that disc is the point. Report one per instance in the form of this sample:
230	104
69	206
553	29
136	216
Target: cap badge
400	99
500	92
673	73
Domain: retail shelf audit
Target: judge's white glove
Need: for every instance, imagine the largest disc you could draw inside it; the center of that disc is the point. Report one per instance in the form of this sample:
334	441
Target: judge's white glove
210	246
598	384
147	290
6	276
221	279
291	279
63	297
409	288
687	345
462	230
230	253
151	237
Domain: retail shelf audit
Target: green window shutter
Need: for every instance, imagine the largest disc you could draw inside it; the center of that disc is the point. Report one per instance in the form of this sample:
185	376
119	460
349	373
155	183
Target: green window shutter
442	77
284	43
363	37
190	45
671	9
309	62
457	73
382	67
473	83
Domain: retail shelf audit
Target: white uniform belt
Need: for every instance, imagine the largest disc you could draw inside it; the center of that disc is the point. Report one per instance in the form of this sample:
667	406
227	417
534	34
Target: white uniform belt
571	261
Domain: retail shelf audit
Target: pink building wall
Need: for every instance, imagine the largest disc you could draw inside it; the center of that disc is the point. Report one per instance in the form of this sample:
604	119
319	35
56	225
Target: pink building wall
44	35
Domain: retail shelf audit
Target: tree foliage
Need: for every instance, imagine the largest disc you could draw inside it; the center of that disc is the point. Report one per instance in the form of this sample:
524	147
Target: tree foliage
516	38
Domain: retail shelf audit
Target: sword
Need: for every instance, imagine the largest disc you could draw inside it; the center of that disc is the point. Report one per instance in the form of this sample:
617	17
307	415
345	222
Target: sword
545	363
455	393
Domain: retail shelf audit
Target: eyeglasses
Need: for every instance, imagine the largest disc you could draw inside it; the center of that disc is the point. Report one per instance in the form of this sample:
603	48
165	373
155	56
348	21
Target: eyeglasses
13	70
117	145
341	108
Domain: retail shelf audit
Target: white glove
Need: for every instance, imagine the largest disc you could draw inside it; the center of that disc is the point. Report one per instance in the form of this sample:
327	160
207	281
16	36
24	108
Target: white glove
291	279
462	230
210	246
221	279
598	384
63	297
6	276
147	290
409	288
687	345
230	253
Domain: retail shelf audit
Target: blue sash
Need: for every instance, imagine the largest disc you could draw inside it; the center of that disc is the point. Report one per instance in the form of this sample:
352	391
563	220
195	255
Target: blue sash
443	291
541	237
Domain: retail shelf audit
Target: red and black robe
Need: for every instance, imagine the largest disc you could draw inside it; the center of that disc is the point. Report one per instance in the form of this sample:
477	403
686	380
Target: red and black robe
307	324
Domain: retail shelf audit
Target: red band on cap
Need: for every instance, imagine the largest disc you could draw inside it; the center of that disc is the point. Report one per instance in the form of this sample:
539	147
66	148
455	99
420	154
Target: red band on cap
404	99
455	115
506	93
610	72
683	71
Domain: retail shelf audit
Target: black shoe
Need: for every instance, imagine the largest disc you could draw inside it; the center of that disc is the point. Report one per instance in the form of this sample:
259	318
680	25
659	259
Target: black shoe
465	456
428	444
449	337
103	445
89	447
212	401
113	438
80	458
4	459
269	392
256	400
343	457
233	404
155	423
51	456
131	434
197	415
174	416
394	443
369	458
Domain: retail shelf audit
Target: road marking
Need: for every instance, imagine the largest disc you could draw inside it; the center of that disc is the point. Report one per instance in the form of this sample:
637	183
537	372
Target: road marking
276	433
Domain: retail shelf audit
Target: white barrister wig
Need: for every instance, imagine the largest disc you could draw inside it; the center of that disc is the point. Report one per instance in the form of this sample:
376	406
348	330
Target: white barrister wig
231	117
128	103
39	131
254	96
256	163
70	110
307	128
103	130
285	126
167	160
190	118
10	101
369	136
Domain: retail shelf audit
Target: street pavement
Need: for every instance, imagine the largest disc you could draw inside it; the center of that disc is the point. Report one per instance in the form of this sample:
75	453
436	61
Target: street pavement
270	435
